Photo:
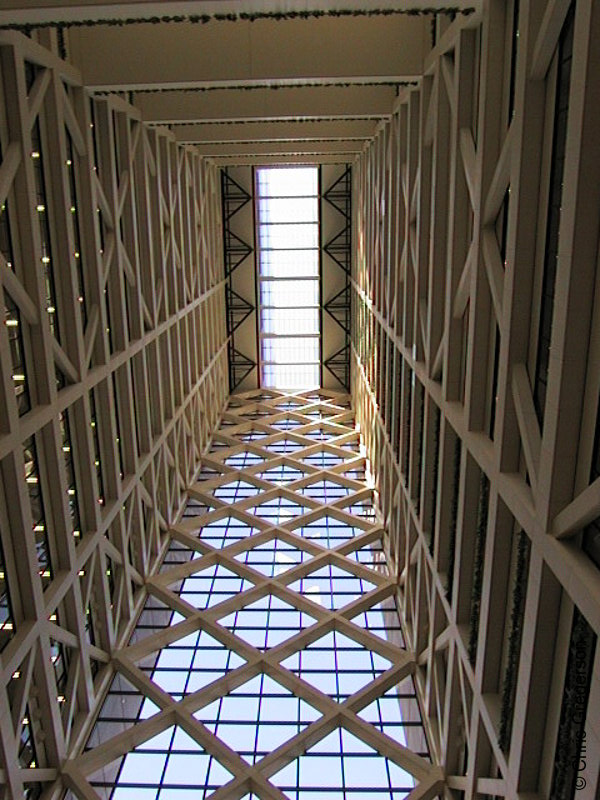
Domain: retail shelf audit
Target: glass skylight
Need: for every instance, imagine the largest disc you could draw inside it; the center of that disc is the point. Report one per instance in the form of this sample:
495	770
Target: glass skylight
288	274
246	640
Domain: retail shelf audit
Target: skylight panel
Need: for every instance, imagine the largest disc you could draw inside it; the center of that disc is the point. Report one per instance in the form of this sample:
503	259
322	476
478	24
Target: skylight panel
288	275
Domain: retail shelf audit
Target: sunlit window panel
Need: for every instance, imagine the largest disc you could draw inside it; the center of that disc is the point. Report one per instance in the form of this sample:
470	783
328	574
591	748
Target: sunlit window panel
288	182
284	263
281	293
300	321
289	209
288	275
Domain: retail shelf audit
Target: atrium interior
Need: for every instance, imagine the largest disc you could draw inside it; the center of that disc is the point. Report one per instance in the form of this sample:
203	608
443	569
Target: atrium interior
300	400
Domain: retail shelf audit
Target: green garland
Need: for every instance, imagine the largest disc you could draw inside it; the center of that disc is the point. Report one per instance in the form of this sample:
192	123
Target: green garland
62	47
285	121
420	393
434	478
246	88
480	536
509	683
453	519
278	16
406	426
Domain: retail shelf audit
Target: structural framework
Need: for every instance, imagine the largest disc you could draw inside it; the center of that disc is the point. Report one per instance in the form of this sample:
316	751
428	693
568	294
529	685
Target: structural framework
114	373
268	660
475	378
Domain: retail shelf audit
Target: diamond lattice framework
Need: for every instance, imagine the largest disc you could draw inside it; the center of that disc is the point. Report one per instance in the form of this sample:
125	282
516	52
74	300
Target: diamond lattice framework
269	659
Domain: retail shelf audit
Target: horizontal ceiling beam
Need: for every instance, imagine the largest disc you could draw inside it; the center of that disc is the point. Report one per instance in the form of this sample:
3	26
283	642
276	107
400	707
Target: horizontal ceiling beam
237	159
181	54
302	146
266	104
36	11
274	131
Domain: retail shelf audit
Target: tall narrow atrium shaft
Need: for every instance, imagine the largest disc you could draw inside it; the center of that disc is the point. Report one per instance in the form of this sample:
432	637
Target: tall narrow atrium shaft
269	657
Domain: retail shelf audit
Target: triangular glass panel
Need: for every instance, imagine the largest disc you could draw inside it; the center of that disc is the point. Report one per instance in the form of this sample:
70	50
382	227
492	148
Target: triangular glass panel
123	707
323	459
397	714
189	664
195	508
252	436
332	587
284	446
337	665
288	405
274	557
278	510
236	490
282	474
285	424
211	586
172	762
155	616
319	434
267	622
342	766
178	553
357	474
225	531
328	531
243	459
363	509
257	717
383	620
371	555
326	491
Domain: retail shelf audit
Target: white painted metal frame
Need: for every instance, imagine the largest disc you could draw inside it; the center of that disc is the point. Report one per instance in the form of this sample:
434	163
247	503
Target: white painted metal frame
430	286
150	351
341	435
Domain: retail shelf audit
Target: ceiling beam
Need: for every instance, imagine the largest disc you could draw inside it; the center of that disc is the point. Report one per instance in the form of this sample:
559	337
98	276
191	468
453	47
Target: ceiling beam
308	146
113	57
283	130
36	11
314	103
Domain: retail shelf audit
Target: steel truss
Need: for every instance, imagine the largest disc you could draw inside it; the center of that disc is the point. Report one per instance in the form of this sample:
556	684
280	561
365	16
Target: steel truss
339	248
113	363
269	452
477	392
235	251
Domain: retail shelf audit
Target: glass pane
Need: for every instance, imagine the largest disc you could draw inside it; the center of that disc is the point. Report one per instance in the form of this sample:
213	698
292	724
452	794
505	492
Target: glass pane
288	237
289	293
289	209
288	182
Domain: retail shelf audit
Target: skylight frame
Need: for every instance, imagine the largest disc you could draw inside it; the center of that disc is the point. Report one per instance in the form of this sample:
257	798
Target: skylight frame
302	368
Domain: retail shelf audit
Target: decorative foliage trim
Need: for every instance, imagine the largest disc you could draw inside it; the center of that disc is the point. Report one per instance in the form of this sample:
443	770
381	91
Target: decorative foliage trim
509	684
480	534
278	16
420	466
243	87
62	47
573	715
437	419
282	121
453	519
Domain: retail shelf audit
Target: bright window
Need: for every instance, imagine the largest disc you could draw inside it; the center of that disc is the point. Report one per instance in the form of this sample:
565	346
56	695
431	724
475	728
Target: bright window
288	275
